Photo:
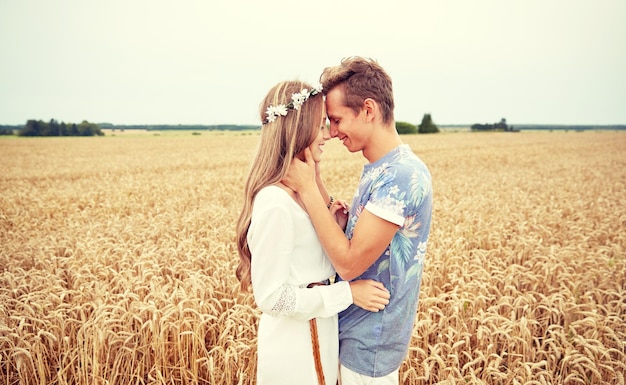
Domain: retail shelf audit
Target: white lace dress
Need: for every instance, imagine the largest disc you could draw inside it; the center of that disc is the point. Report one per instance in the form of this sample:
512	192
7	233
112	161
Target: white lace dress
286	257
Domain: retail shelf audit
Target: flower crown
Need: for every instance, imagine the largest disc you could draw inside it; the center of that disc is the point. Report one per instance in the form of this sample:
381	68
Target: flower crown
297	100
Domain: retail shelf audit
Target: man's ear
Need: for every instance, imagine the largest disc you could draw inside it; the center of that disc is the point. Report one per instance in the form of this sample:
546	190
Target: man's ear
371	108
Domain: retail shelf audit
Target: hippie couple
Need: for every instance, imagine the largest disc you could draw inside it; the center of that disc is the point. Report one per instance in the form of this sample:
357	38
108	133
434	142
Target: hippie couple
337	285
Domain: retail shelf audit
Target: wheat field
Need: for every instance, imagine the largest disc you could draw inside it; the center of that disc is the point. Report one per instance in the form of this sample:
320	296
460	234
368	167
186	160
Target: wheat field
117	259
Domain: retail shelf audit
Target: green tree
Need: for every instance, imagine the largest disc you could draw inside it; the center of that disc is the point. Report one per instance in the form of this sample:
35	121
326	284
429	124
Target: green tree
405	128
427	126
30	129
54	128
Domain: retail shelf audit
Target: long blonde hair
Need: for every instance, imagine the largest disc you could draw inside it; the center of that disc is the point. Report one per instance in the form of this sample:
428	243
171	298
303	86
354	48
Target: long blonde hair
281	140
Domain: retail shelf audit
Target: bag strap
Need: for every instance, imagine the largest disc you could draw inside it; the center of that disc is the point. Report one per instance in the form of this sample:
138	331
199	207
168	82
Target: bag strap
316	352
315	341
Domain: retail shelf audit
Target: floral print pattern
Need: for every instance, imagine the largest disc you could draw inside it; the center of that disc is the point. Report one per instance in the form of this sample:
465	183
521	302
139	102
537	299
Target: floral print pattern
397	188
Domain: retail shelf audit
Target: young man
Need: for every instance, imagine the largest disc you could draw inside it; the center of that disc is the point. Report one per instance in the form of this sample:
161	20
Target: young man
388	225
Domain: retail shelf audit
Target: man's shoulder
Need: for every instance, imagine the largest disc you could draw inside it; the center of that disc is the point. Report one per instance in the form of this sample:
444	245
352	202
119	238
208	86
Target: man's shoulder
407	165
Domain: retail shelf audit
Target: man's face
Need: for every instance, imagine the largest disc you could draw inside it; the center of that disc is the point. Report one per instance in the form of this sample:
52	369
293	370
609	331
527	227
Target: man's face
344	124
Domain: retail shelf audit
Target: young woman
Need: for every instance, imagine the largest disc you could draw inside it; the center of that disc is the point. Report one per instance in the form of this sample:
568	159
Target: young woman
280	255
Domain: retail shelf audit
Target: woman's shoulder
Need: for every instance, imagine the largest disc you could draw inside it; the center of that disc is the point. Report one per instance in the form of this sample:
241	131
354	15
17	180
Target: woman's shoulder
272	193
272	190
275	196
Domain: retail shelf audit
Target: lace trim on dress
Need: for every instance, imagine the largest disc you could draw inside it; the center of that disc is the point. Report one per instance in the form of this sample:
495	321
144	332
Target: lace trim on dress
286	302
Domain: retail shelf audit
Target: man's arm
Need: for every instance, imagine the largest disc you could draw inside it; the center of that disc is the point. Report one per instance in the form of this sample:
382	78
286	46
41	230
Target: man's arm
371	234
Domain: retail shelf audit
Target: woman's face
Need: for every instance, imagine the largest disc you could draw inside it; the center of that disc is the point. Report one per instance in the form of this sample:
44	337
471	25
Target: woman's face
320	139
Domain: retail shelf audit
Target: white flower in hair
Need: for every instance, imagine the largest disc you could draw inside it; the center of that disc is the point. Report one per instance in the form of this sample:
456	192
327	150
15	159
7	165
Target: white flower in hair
297	100
273	112
281	110
271	116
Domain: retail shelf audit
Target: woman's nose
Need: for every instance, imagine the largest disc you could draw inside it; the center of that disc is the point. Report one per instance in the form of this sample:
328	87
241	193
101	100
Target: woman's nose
327	135
333	131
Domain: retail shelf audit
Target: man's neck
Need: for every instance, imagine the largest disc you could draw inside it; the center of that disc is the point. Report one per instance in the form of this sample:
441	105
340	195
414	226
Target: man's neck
383	140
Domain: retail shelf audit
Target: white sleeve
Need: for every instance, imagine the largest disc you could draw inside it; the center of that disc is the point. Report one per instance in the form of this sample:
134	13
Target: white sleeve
323	301
271	241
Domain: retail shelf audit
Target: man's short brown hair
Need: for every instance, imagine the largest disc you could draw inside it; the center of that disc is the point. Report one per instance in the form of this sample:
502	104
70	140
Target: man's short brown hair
361	78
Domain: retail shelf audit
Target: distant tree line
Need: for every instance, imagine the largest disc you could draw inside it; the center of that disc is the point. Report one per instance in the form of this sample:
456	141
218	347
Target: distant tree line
8	130
427	126
573	127
500	126
185	127
54	128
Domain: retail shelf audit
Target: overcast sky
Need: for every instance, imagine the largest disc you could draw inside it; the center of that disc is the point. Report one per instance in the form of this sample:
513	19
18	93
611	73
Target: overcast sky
212	61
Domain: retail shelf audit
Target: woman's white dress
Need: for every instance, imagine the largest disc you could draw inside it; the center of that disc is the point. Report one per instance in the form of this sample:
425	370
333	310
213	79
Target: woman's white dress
286	257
